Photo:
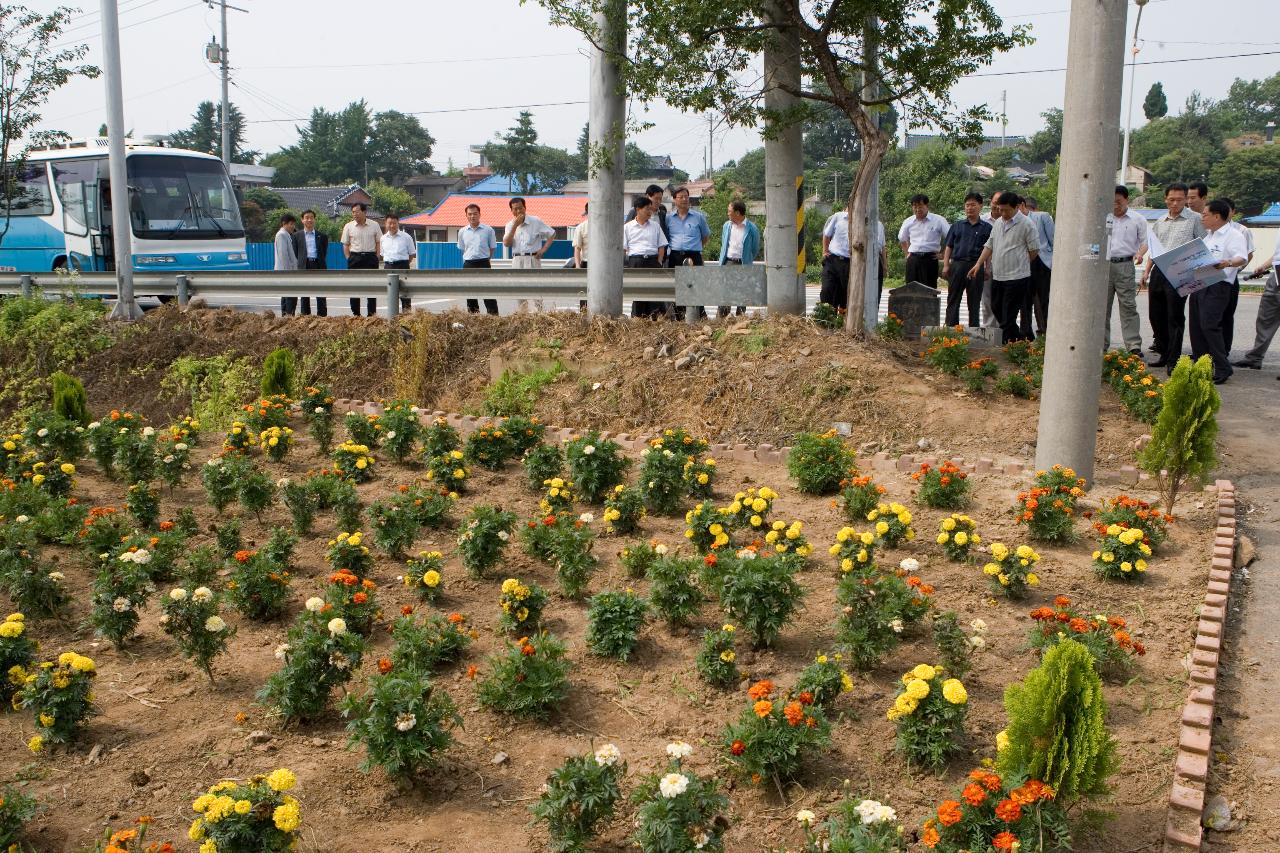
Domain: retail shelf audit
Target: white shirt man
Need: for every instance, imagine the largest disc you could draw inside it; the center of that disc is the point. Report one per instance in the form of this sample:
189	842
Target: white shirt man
1211	307
923	234
397	246
476	240
528	238
646	240
1126	245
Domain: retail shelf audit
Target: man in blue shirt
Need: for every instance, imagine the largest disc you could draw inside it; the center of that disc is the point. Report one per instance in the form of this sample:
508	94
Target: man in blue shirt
477	241
1041	269
687	234
961	250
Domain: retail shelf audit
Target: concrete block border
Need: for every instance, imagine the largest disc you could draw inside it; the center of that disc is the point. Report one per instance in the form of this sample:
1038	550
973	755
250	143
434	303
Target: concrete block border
766	453
1183	830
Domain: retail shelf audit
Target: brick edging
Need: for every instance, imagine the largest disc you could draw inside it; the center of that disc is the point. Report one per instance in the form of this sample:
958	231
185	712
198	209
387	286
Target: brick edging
1183	830
768	453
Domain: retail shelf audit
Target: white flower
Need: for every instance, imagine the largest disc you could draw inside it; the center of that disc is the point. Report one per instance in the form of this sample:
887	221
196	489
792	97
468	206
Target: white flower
679	749
339	660
415	409
391	435
202	594
587	517
404	722
977	642
457	325
59	577
667	454
978	625
177	594
886	814
608	755
588	450
910	564
214	624
805	817
504	535
869	811
164	619
673	785
319	410
214	462
282	650
23	519
659	549
120	605
337	626
42	432
168	460
124	430
701	840
95	424
595	386
896	625
747	554
147	432
141	556
315	604
181	447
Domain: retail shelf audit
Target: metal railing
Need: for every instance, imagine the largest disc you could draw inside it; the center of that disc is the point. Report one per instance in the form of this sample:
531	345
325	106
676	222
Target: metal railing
569	284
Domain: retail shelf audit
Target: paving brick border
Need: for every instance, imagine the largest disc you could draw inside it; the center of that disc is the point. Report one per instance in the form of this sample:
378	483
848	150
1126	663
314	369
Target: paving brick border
1183	830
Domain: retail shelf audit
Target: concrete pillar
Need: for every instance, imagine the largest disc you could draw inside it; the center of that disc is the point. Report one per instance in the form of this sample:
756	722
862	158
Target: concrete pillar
783	173
607	136
1077	305
126	307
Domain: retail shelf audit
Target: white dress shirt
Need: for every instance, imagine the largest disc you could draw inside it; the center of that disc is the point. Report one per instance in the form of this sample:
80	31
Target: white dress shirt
477	243
1128	235
361	238
737	236
924	235
398	246
837	228
644	239
530	236
1244	232
1227	244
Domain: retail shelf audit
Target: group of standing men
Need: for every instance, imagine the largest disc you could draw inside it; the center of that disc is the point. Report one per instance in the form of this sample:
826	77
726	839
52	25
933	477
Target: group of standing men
364	244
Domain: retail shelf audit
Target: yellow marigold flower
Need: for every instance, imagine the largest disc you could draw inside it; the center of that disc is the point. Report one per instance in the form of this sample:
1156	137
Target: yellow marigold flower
196	832
846	565
759	504
67	468
948	524
287	818
1140	565
953	691
83	664
727	656
924	671
1033	579
209	846
843	534
999	551
905	705
431	578
1024	552
991	569
866	538
962	538
35	744
282	779
917	689
201	803
243	806
882	527
9	630
846	682
942	538
1002	741
46	720
509	585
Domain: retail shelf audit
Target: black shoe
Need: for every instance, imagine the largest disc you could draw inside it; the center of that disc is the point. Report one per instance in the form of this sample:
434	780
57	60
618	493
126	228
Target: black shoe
1220	380
1152	348
1248	364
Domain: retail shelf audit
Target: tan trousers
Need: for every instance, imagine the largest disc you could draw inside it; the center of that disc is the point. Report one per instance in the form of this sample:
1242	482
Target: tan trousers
527	262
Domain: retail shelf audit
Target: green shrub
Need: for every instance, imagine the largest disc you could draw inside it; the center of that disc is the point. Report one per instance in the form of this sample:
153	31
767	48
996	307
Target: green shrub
484	537
39	337
192	620
679	811
217	387
17	654
948	350
819	463
542	462
69	399
1182	443
824	680
16	808
517	393
426	646
929	711
673	592
528	679
623	510
257	587
1057	730
522	605
578	796
614	620
716	657
854	826
121	587
762	595
404	721
278	373
440	438
319	654
775	733
401	429
596	464
1015	385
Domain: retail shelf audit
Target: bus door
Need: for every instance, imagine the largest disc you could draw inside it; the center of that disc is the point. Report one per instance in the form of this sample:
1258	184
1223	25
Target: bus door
77	183
104	247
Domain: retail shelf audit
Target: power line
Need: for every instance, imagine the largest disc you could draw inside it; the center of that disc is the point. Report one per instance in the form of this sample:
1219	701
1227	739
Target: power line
1148	62
346	66
453	110
97	13
82	39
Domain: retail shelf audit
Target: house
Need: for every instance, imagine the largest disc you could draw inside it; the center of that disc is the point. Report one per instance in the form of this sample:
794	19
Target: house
441	224
430	190
246	176
988	144
333	202
1137	177
1024	175
699	190
630	189
660	166
505	185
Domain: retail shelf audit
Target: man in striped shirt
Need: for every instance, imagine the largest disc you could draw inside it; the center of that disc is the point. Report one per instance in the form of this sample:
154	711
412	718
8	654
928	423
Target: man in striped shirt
1168	310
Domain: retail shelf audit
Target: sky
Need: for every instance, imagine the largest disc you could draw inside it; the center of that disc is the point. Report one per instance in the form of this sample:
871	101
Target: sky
466	67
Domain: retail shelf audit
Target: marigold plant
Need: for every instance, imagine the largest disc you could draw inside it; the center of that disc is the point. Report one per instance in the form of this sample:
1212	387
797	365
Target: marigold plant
404	721
854	826
762	594
274	442
824	680
1048	508
1001	812
318	654
678	811
424	574
1107	638
958	534
254	815
354	461
596	464
484	537
708	528
352	599
257	587
786	538
522	605
218	476
1122	554
775	734
16	808
699	477
490	447
439	438
943	487
121	587
661	477
1010	572
639	556
819	463
17	653
750	509
717	655
542	462
59	695
673	590
239	439
436	641
623	510
449	470
614	620
854	550
317	411
858	496
192	619
1127	512
975	374
579	796
572	546
929	711
955	645
348	551
528	679
363	428
401	429
948	350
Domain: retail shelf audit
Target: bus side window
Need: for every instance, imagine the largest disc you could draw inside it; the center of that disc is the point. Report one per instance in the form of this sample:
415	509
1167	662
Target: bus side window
75	180
32	197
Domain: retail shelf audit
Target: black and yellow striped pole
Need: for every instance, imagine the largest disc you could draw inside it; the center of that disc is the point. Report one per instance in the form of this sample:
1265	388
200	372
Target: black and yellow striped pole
800	254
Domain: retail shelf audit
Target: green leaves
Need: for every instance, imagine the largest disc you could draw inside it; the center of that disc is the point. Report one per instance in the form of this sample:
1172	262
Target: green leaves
578	796
614	620
1182	444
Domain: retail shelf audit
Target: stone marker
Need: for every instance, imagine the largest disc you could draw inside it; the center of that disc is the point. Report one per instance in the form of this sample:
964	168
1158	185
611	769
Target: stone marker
916	305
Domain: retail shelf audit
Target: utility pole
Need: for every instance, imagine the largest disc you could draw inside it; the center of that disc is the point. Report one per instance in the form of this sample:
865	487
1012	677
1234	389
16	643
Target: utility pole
126	307
1133	70
1090	136
1004	115
711	144
226	97
606	135
871	91
783	174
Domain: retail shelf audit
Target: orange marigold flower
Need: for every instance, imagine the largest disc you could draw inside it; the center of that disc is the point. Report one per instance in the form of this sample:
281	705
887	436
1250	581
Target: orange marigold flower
949	813
1122	638
794	712
527	650
1042	613
737	747
1062	601
709	560
763	708
472	669
457	618
367	583
1008	811
242	717
760	689
244	556
990	781
1023	796
926	588
406	610
805	698
1078	625
930	838
384	665
811	722
914	581
1004	841
360	598
166	526
1139	648
974	794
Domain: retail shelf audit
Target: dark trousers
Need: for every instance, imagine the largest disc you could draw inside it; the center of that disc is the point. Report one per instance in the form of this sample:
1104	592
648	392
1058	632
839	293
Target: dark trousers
1229	319
405	304
923	268
363	261
1010	296
1158	312
1208	313
1041	276
960	285
1175	316
322	302
678	258
642	308
835	281
473	305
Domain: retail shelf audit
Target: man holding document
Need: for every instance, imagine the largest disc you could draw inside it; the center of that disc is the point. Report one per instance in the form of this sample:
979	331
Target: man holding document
1217	274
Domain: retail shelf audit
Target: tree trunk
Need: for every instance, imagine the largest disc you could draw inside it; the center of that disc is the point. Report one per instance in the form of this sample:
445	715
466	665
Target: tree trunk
874	146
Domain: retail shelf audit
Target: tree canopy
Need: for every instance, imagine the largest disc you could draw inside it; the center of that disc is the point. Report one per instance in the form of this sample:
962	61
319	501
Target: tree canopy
205	133
533	166
1155	105
341	147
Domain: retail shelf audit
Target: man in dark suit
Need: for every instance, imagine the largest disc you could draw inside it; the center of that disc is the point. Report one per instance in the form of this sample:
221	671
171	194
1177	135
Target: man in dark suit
311	247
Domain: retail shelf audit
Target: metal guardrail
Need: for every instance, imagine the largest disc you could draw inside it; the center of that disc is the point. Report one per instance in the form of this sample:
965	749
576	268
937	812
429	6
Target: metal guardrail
637	284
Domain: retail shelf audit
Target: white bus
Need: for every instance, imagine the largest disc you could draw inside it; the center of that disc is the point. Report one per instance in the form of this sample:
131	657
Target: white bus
182	207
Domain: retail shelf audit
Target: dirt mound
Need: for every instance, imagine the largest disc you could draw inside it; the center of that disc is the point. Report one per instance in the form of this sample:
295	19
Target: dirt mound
745	380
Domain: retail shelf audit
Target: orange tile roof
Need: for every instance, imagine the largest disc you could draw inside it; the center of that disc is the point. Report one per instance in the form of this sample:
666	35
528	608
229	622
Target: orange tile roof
557	211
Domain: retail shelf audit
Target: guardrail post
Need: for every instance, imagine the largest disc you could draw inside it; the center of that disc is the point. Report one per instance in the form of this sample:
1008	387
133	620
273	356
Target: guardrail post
183	285
25	283
393	295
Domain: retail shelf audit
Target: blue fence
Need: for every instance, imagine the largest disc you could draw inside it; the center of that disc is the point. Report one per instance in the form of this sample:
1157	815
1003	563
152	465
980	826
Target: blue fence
431	256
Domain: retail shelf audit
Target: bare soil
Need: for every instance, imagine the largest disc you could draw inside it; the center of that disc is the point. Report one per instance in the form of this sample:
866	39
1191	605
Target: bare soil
161	717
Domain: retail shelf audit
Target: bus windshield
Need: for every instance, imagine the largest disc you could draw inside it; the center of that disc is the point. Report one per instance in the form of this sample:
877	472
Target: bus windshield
181	198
